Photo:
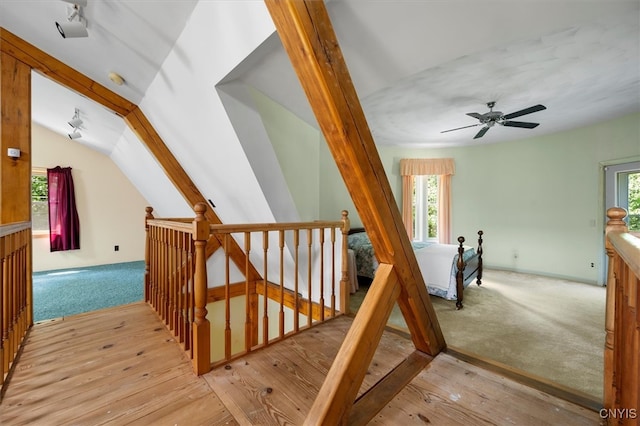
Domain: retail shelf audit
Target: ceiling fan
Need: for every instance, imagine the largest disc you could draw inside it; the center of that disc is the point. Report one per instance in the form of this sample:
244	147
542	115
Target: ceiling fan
489	119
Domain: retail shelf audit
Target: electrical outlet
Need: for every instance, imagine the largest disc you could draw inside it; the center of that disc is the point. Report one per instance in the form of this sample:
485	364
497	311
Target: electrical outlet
116	248
593	265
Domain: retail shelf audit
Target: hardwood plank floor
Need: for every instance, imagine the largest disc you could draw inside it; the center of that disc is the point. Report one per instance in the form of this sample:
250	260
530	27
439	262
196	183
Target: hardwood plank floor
113	366
121	366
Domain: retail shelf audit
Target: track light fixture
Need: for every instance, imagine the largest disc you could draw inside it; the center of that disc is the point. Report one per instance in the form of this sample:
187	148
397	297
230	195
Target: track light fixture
75	122
75	135
76	25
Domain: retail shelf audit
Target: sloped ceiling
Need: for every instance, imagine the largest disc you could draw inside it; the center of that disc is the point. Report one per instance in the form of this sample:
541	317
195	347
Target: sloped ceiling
419	66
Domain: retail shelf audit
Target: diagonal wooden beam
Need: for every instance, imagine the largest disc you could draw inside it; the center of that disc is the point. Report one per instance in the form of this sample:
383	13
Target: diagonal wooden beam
308	37
63	74
339	390
145	131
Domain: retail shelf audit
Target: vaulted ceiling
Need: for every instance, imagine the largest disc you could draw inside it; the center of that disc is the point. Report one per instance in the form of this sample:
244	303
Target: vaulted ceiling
419	66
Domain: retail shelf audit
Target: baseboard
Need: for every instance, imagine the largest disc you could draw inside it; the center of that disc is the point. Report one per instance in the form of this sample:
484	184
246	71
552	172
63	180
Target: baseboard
542	274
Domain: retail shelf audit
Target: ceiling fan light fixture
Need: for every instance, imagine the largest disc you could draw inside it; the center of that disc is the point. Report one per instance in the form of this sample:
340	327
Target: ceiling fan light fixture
489	119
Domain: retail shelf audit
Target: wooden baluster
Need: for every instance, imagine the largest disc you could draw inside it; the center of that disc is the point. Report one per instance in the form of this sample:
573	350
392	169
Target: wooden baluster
281	319
29	271
184	295
333	272
296	297
147	252
201	325
179	285
615	223
345	287
190	298
155	268
172	279
265	298
3	284
161	271
321	300
247	318
12	298
5	306
227	298
309	267
167	276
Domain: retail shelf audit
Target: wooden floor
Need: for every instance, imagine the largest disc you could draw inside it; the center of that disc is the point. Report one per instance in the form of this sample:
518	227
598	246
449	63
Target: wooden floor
121	366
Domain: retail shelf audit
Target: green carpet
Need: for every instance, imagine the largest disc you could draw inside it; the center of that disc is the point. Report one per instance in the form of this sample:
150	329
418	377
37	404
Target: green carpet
551	328
65	292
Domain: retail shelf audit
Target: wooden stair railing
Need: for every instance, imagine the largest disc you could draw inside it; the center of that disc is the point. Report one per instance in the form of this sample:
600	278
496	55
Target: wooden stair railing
176	282
622	324
16	307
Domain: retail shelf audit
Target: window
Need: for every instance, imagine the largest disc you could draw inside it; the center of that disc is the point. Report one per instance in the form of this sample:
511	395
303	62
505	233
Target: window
425	208
629	198
426	198
39	201
622	189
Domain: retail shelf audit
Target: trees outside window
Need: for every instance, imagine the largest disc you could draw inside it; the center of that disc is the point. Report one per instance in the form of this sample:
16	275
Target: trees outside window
425	208
39	202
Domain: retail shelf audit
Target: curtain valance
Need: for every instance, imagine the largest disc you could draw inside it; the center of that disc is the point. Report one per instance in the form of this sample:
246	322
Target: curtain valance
427	166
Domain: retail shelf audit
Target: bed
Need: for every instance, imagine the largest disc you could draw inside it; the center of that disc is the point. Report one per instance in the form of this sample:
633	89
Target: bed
447	269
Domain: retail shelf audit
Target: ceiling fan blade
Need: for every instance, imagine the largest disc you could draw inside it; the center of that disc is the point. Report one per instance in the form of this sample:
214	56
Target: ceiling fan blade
525	111
475	115
481	132
459	128
520	124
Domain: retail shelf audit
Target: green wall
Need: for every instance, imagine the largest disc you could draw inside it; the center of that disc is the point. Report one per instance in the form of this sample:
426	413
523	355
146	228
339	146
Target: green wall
539	201
297	146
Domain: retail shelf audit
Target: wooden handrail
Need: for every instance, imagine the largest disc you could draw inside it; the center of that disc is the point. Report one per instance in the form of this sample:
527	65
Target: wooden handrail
622	323
176	281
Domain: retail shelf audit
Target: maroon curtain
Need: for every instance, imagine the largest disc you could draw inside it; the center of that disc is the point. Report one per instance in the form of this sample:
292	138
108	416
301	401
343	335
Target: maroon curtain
64	227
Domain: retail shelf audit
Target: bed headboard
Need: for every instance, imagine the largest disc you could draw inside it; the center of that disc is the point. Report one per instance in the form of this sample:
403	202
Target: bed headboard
355	230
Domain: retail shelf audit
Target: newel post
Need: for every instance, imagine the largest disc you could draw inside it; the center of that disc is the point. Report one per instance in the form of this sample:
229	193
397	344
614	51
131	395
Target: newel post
345	287
147	250
615	224
201	326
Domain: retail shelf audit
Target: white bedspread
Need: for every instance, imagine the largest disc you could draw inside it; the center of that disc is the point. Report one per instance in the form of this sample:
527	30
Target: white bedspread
436	265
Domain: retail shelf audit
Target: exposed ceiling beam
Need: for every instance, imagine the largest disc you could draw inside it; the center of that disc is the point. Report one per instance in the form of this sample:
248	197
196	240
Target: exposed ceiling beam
308	37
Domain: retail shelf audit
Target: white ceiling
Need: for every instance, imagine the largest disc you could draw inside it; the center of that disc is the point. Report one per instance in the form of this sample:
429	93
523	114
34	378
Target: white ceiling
418	66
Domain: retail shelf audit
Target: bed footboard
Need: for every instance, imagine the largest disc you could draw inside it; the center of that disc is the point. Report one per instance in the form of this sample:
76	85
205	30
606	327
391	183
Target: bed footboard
461	265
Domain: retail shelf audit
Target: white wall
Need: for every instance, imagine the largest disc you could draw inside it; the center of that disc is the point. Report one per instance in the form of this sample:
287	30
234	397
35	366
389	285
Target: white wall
111	211
186	110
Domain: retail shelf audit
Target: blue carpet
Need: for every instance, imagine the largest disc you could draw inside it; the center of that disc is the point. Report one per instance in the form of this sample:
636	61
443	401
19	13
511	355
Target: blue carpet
65	292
